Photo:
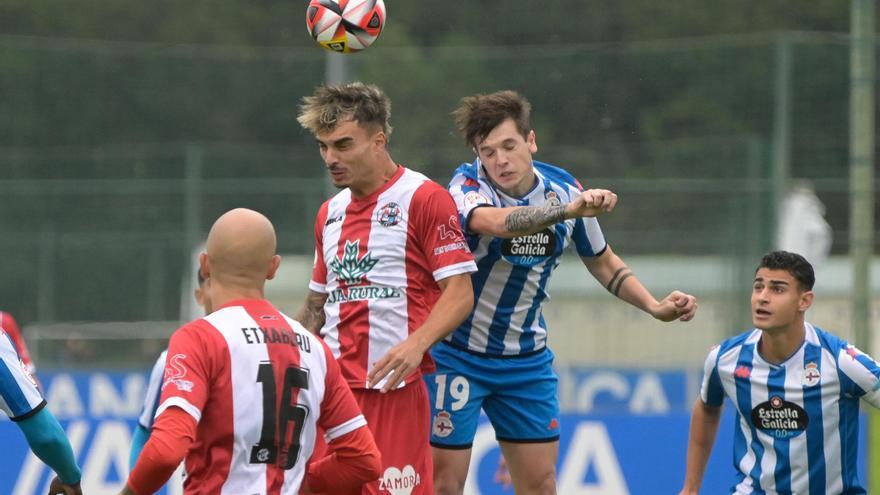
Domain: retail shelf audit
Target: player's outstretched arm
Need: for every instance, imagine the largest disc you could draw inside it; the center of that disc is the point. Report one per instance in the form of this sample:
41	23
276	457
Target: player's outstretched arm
515	221
609	270
311	314
48	441
704	428
453	306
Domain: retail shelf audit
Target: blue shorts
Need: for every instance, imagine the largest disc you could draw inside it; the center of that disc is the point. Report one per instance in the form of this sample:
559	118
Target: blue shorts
518	395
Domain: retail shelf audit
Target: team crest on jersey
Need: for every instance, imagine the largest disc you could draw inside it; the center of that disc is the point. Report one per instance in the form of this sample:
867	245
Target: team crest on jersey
352	269
780	418
175	371
399	481
389	215
811	375
552	198
442	425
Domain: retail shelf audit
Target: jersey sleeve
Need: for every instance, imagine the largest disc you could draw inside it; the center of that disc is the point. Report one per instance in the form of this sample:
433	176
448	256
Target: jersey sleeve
19	396
587	236
187	376
436	224
711	391
154	389
340	413
318	283
468	195
864	373
10	326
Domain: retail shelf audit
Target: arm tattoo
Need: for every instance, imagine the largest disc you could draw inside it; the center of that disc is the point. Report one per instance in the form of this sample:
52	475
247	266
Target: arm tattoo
616	281
530	219
312	315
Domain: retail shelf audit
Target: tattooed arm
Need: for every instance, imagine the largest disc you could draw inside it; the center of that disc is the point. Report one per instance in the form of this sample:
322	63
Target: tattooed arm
609	270
311	314
524	220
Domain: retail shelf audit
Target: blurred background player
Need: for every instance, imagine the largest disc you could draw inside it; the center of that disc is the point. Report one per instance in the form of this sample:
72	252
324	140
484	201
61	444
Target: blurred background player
22	401
518	216
796	390
10	326
391	275
154	388
246	386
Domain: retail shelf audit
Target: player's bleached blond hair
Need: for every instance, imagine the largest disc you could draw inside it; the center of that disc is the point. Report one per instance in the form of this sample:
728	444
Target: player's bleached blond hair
477	115
330	105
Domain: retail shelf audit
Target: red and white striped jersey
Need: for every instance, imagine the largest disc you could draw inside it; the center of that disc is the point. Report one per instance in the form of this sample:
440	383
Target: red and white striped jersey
10	326
258	384
378	259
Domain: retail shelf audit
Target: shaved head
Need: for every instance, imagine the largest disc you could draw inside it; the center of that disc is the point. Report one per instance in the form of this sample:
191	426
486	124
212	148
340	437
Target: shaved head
241	249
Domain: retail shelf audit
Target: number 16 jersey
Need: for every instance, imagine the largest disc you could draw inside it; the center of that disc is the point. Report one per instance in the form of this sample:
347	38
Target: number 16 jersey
257	383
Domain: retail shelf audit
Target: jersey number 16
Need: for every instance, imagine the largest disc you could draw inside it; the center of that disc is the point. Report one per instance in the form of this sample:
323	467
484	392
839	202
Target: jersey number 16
266	451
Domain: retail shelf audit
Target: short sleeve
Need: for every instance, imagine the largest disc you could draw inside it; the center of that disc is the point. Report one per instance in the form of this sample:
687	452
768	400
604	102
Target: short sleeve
154	390
863	371
711	390
187	376
19	396
340	413
469	194
318	283
436	225
10	326
587	236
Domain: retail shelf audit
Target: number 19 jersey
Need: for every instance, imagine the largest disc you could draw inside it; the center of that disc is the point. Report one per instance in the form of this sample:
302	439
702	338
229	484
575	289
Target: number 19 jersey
258	384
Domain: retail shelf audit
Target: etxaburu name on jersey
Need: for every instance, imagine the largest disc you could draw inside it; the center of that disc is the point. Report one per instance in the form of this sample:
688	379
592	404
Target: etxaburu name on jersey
271	335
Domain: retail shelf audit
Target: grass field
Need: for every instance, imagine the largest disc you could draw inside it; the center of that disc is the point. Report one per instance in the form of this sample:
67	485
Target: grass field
874	451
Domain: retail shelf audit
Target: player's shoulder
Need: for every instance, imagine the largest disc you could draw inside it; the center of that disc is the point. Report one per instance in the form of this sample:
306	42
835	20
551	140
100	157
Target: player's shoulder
192	330
466	171
555	174
737	341
299	329
824	338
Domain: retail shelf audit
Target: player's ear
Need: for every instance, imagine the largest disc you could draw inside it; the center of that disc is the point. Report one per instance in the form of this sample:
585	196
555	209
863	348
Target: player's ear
532	141
806	301
380	139
273	267
204	266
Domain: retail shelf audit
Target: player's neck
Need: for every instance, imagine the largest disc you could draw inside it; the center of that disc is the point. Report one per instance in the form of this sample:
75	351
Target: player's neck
522	189
777	345
224	294
382	174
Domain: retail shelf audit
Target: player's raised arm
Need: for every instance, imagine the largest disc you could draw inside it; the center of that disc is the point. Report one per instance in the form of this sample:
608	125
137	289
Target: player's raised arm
611	271
513	221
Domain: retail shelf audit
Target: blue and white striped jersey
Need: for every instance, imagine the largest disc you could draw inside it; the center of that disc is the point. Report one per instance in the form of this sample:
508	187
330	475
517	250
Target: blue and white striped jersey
510	285
154	391
19	396
797	422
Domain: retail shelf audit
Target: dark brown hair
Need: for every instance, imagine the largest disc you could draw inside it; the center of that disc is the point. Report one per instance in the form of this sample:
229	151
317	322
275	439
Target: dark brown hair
477	115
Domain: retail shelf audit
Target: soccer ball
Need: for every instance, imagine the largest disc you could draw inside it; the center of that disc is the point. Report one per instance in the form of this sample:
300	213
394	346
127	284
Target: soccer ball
345	26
